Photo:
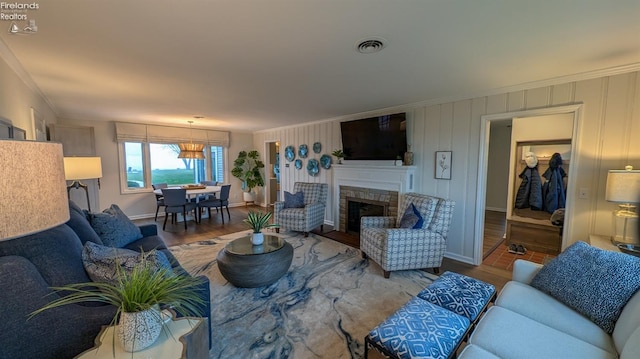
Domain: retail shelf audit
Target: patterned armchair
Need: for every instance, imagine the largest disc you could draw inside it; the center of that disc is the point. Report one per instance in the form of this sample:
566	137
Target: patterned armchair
308	217
395	248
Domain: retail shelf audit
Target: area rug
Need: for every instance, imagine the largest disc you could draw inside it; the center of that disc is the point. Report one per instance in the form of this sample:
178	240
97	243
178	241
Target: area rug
322	308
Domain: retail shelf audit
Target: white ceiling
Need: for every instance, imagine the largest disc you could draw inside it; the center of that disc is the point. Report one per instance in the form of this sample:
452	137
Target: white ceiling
258	64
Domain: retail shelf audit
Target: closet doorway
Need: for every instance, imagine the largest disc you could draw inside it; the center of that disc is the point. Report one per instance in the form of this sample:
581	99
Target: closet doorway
481	196
272	173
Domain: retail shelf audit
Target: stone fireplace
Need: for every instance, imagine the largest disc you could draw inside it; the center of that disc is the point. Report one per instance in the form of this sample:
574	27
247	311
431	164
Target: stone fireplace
368	191
356	202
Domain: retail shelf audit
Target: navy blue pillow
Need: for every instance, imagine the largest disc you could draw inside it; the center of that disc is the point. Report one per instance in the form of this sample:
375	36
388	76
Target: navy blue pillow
114	227
293	200
593	281
79	223
411	218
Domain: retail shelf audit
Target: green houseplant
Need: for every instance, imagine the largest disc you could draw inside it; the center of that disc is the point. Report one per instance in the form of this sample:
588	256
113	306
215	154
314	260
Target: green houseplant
248	168
137	295
257	221
338	154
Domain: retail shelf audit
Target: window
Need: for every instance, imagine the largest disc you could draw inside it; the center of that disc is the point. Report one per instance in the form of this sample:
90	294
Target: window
148	163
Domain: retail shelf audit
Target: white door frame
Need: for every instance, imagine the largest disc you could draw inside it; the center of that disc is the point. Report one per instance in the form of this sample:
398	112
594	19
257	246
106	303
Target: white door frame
483	158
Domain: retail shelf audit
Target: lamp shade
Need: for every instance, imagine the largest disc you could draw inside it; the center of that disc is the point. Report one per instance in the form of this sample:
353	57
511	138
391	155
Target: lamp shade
34	188
623	186
191	150
79	168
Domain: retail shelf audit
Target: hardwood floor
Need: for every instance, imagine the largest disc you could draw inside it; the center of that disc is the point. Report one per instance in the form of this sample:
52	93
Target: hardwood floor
495	225
213	227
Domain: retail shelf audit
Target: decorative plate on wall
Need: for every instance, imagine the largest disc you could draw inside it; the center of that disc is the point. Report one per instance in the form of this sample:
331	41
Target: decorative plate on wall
303	151
298	163
325	162
317	147
289	153
313	167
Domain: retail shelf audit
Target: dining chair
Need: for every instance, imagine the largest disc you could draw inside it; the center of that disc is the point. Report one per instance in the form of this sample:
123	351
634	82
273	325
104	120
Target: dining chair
159	197
223	200
175	201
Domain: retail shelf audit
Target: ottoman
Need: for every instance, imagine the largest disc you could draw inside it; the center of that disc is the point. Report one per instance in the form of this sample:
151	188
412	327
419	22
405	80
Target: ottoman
460	294
419	330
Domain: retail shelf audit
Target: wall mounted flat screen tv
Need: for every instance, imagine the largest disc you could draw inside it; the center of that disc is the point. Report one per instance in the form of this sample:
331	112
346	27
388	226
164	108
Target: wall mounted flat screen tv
375	138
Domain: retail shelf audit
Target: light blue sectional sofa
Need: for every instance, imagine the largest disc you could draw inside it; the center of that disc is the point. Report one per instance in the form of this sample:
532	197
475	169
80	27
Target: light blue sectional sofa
582	306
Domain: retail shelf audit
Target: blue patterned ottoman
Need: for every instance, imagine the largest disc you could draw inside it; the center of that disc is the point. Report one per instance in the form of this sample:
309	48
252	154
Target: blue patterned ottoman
419	330
460	294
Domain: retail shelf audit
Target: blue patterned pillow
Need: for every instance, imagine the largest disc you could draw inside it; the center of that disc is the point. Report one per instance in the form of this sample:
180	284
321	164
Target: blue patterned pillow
593	281
411	218
114	228
101	262
294	200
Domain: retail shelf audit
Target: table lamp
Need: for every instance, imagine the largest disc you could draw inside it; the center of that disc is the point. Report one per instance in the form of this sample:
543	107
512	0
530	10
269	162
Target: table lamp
80	168
33	185
623	186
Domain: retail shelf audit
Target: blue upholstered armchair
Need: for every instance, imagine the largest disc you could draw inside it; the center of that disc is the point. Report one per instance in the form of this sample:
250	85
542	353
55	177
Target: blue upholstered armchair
420	246
310	215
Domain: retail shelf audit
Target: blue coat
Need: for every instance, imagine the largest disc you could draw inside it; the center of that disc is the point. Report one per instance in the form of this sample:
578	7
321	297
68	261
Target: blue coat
530	192
553	190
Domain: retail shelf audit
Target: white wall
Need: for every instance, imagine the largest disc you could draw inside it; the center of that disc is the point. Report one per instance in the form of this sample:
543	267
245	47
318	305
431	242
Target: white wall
138	205
17	99
608	139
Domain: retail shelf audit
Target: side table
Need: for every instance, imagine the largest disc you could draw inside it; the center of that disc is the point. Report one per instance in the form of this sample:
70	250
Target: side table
181	338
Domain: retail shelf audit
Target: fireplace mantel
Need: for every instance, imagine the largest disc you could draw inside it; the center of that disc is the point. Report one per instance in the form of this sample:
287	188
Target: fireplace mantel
400	179
392	178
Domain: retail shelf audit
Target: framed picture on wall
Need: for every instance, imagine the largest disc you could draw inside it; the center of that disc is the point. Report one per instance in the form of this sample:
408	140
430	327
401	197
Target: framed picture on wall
39	126
443	165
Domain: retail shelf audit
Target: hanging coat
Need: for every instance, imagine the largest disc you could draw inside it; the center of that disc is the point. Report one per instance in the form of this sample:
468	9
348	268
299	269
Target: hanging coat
530	190
553	190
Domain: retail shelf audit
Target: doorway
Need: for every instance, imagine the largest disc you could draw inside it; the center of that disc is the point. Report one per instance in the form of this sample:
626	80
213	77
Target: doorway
272	173
481	195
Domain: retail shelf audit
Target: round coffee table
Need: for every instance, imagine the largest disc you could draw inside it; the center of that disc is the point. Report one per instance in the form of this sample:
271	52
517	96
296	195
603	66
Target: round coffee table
248	266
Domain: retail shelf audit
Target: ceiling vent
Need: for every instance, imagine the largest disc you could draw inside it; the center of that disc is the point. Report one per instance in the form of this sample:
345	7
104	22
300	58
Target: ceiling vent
370	45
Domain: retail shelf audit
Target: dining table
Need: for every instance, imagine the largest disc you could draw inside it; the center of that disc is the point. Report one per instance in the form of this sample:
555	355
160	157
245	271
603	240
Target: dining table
194	191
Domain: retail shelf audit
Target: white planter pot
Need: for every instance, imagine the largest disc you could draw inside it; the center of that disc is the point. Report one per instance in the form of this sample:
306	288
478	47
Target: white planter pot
248	196
257	238
138	330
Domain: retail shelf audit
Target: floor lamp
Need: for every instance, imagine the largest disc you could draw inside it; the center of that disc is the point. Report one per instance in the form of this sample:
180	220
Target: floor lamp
623	186
81	168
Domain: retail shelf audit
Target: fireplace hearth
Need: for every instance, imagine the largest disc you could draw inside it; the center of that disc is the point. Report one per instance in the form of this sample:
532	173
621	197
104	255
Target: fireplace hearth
358	208
356	202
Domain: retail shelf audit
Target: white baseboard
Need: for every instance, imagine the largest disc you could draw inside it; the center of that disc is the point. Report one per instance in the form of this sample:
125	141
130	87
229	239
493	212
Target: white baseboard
496	209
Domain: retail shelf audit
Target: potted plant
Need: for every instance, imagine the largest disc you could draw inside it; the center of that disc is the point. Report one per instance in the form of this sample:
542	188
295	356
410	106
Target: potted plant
339	154
247	167
257	221
137	296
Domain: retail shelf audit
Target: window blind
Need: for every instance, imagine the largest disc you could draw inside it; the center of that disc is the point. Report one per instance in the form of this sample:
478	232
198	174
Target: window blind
136	132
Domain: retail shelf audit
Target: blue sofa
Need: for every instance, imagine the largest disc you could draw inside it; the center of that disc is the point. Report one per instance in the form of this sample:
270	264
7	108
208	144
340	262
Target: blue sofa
30	265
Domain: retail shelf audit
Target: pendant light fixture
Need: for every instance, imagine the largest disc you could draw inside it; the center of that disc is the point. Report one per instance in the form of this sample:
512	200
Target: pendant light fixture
191	150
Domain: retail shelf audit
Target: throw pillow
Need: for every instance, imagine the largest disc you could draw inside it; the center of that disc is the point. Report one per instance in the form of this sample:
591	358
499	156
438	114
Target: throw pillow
101	262
114	227
593	281
293	200
79	223
411	218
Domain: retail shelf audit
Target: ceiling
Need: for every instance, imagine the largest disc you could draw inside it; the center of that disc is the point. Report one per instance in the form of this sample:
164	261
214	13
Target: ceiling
255	64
